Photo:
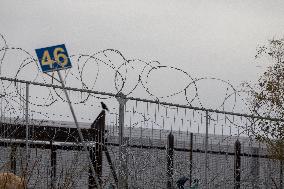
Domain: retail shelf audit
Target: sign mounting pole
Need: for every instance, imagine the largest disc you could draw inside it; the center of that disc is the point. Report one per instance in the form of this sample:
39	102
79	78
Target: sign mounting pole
78	128
56	58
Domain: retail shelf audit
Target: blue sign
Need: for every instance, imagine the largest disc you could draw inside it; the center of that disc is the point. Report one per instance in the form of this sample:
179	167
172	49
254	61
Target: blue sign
53	58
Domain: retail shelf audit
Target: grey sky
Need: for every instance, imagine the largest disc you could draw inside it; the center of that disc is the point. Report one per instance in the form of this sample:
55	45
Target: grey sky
204	38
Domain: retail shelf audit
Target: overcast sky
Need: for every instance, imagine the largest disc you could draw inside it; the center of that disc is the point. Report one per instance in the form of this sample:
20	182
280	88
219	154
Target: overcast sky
204	38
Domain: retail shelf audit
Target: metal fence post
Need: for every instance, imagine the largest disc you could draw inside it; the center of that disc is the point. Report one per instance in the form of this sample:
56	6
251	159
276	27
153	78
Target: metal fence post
237	165
190	159
170	161
92	183
13	161
27	126
123	174
53	164
255	167
281	174
206	151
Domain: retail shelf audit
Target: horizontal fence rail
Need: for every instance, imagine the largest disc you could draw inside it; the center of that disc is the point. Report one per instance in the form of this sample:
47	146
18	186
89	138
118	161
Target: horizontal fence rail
63	135
141	100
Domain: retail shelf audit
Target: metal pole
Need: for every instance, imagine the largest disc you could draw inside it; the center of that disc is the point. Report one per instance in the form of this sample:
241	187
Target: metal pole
170	161
13	160
190	159
255	167
1	97
122	177
281	174
237	165
27	124
206	152
79	130
1	106
53	164
27	130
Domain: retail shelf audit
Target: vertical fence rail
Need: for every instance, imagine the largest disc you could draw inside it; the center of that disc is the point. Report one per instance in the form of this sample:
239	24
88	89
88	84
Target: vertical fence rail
255	167
122	180
237	165
206	150
190	159
53	165
27	129
281	174
170	161
13	158
92	183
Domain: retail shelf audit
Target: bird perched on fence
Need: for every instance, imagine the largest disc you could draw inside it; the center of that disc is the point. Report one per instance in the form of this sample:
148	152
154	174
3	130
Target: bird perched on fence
104	106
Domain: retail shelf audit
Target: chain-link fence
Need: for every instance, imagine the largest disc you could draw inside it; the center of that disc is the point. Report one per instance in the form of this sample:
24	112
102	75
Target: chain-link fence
143	144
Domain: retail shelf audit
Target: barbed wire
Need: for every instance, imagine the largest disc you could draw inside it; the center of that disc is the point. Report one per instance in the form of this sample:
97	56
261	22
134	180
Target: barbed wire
129	76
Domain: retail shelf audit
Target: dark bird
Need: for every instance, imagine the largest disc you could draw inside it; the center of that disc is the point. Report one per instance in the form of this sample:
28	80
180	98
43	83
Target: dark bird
104	106
181	181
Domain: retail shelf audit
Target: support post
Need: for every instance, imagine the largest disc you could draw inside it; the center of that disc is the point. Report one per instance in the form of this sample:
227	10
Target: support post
237	165
27	128
123	173
206	151
13	154
53	165
254	170
92	183
190	159
79	130
170	161
281	174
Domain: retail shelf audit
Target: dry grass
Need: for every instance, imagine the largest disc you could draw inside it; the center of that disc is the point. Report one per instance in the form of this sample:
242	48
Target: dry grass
11	181
276	149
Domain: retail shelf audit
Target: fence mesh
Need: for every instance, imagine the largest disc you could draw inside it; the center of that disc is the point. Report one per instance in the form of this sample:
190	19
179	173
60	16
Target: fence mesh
147	124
